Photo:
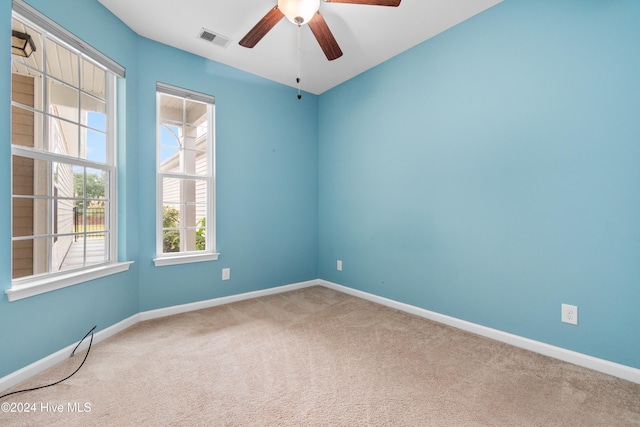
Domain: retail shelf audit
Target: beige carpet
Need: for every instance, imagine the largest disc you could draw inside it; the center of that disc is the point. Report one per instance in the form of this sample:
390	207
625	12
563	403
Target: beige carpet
316	357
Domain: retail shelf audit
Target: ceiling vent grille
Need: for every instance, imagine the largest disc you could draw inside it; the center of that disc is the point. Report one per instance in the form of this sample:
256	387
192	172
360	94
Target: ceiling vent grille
213	37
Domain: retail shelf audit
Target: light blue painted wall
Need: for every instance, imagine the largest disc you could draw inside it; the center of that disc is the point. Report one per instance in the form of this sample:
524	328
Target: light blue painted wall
489	174
267	190
492	174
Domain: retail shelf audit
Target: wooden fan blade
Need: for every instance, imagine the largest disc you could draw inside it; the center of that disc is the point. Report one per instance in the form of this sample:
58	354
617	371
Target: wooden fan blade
325	38
393	3
262	27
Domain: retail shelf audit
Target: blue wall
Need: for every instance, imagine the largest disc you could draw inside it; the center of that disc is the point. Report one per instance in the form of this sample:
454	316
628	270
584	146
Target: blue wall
489	174
267	190
492	173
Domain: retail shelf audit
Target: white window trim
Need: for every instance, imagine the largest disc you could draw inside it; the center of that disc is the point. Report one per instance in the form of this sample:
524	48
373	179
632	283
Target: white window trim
185	259
210	254
36	285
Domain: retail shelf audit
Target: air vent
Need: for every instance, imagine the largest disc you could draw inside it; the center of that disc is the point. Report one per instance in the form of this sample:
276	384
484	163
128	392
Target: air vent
206	35
213	37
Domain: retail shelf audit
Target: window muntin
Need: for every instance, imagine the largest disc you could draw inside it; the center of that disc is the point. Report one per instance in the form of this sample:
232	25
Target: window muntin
63	160
185	184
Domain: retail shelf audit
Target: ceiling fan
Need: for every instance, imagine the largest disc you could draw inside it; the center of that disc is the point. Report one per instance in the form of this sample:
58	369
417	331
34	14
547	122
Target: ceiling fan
302	12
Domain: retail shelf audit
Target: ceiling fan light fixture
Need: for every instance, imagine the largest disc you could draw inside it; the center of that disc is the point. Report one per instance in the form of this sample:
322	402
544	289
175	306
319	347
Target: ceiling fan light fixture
299	11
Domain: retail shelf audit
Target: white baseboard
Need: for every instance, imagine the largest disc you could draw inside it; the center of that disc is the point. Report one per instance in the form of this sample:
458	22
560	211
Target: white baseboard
600	365
199	305
615	369
53	359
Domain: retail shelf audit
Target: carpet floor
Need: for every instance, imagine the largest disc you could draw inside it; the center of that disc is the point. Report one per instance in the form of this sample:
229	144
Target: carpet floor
317	357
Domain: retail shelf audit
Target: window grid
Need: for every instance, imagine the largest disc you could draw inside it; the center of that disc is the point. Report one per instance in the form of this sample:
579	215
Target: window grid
55	162
185	174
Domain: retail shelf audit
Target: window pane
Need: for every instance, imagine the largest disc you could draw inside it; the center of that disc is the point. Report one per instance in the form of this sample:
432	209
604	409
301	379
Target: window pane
94	145
189	219
196	162
189	239
169	159
26	128
34	60
22	262
184	191
63	100
30	177
170	241
27	214
201	199
62	63
93	79
92	112
84	252
78	182
171	191
96	189
90	219
195	154
63	216
170	145
170	135
63	180
196	112
26	87
201	237
63	138
171	109
170	228
96	245
31	256
90	185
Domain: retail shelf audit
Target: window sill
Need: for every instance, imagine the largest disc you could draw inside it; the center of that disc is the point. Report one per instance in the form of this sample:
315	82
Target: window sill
184	259
39	286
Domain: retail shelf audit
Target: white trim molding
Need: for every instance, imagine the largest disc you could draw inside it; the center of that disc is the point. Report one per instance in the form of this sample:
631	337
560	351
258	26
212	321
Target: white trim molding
50	283
47	362
184	259
199	305
615	369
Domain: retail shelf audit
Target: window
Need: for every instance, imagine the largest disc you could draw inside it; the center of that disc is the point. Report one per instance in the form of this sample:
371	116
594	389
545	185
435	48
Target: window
63	159
185	214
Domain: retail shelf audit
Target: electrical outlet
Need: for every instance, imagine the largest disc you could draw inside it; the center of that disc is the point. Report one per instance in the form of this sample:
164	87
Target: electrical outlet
226	273
339	265
570	314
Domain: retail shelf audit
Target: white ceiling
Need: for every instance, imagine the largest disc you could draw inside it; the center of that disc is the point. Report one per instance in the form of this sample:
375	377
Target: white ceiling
367	35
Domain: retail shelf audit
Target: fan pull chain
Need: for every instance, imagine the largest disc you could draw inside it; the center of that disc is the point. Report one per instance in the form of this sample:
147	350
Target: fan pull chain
298	77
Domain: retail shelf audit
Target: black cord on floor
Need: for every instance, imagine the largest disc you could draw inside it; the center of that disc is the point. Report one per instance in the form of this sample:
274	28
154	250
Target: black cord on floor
64	379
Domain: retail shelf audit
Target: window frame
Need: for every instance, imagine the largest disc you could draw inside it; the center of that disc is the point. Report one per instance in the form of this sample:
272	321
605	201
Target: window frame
36	284
183	257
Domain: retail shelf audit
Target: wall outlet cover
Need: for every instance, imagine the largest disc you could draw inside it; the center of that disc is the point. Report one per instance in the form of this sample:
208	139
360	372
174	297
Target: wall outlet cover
570	314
